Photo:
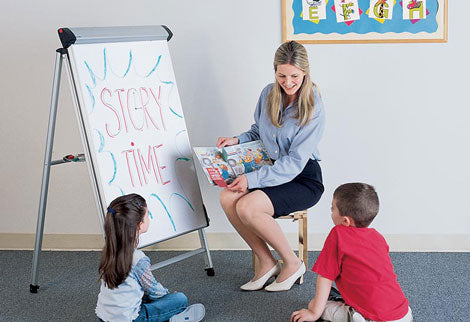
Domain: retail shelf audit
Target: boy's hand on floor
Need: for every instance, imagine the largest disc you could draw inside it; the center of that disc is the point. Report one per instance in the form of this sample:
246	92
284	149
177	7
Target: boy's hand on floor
303	316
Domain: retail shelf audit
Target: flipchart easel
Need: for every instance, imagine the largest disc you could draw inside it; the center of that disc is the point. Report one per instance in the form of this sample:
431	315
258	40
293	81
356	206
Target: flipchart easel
69	36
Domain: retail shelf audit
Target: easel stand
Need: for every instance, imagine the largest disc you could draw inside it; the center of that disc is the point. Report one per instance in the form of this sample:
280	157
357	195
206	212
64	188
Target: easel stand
61	56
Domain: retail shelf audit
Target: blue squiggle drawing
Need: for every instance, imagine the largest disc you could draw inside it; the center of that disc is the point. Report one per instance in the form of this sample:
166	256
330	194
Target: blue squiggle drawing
129	65
92	98
166	209
169	94
182	197
93	79
93	75
180	116
100	150
154	67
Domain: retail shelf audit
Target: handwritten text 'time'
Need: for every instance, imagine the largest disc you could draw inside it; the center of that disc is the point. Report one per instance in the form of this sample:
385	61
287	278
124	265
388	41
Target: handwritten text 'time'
145	168
133	109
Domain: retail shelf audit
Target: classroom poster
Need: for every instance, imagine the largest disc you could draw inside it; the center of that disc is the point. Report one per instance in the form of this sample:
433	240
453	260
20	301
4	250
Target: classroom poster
381	9
365	21
346	10
414	9
314	10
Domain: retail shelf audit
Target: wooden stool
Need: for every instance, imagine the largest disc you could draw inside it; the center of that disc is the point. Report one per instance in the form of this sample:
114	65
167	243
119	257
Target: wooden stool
301	217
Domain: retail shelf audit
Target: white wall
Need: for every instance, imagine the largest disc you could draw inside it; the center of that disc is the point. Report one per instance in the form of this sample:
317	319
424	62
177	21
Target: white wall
397	114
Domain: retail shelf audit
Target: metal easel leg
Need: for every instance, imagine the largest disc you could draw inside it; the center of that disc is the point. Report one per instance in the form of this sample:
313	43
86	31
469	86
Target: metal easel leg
209	267
33	287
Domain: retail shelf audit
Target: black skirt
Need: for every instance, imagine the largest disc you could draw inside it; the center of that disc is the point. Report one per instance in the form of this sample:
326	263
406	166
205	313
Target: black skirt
303	192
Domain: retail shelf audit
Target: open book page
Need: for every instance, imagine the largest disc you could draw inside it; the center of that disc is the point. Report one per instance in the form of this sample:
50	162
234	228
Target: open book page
231	161
246	157
214	166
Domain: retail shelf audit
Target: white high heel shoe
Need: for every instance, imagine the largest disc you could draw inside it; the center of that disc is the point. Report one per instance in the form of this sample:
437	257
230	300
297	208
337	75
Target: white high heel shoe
259	283
287	283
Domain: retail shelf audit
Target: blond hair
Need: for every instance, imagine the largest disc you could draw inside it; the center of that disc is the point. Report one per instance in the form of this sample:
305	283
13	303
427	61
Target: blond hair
294	54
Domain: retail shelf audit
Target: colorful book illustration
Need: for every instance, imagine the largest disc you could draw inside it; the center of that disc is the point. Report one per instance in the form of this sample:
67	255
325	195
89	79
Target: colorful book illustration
222	166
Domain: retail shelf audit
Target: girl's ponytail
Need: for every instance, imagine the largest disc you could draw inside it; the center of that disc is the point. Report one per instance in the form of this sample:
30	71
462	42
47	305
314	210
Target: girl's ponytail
121	225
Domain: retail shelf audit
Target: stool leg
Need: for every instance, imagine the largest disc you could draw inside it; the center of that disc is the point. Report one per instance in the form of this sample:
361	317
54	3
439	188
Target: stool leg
305	241
303	249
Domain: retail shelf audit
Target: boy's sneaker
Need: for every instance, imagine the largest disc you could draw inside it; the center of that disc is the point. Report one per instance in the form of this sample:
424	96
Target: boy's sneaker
357	317
192	313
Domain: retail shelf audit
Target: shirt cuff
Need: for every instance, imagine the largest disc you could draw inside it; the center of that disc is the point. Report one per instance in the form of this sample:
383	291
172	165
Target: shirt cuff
242	138
253	181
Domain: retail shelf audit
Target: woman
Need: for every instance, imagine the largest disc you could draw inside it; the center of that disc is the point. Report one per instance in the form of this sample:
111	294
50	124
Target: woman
289	119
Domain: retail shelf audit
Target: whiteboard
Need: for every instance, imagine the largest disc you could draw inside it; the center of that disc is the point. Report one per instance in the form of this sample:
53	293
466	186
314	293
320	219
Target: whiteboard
134	124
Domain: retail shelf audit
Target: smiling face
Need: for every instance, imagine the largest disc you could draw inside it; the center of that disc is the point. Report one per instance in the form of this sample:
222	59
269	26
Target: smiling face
290	79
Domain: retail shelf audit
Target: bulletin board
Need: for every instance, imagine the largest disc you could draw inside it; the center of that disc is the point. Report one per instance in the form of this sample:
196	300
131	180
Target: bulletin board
364	21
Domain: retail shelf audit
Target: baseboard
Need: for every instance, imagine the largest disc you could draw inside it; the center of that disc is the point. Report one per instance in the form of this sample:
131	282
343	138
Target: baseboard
231	241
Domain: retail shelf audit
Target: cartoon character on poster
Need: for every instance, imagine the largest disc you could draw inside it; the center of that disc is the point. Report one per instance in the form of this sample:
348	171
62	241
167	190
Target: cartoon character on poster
346	10
314	9
381	9
414	9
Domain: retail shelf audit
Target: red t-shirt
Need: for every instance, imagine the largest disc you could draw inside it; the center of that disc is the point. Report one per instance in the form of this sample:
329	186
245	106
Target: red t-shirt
357	260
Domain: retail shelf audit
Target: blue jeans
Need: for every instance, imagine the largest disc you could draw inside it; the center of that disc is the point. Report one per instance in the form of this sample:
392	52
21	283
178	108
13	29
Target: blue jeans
163	308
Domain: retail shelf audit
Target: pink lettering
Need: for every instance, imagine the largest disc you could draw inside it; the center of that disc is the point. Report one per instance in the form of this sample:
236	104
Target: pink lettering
119	91
108	105
158	166
128	165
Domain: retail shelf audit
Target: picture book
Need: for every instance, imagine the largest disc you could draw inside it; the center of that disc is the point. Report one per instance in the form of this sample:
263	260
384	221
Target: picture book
222	166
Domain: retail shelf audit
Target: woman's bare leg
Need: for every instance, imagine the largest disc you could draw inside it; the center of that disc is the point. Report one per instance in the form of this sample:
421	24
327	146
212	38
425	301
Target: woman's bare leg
255	212
229	200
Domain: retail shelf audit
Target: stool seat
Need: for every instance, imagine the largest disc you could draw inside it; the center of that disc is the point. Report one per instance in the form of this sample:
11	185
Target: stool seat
301	217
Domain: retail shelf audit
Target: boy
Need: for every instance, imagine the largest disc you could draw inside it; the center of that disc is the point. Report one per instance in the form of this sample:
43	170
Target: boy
357	259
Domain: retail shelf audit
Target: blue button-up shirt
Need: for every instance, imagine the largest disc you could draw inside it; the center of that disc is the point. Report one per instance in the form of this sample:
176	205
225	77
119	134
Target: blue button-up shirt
290	145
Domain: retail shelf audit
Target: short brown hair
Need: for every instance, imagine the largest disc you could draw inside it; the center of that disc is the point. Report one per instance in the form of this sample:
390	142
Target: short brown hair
358	201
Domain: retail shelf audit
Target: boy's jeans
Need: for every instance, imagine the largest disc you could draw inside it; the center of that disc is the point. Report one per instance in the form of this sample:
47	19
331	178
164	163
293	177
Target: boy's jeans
340	312
163	308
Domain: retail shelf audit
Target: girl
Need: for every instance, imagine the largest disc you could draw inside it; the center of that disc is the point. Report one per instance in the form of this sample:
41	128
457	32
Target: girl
289	119
129	291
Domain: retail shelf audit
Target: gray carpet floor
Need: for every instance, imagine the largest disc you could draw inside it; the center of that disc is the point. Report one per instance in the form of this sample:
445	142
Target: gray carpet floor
436	284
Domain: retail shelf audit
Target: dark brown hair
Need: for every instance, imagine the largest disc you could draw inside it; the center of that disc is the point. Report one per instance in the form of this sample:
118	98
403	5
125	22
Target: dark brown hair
358	201
121	226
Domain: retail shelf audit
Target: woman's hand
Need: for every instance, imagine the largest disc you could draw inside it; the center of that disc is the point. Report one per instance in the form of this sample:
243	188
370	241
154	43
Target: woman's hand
223	141
303	315
240	184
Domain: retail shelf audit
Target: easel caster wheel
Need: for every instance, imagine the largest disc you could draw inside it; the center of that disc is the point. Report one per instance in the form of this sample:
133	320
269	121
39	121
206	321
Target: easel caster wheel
33	288
210	271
